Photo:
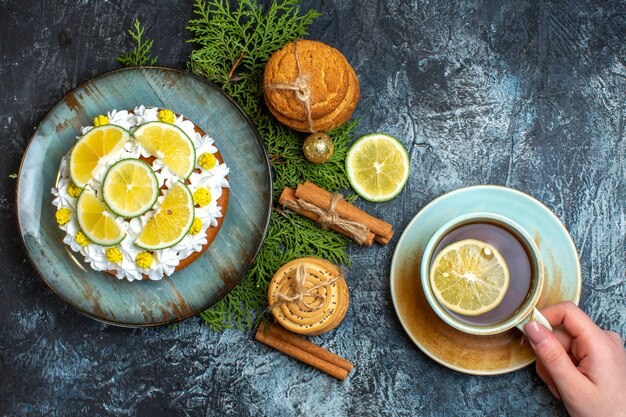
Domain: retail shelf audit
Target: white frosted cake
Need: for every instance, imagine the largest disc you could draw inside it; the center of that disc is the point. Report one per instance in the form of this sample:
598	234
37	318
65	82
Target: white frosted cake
141	194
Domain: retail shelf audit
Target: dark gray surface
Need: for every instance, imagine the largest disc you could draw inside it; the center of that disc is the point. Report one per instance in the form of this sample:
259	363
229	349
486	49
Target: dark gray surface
529	95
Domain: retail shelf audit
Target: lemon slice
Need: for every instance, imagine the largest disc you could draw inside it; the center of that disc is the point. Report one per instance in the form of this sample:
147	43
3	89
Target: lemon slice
469	277
92	147
377	167
171	222
96	222
130	188
169	144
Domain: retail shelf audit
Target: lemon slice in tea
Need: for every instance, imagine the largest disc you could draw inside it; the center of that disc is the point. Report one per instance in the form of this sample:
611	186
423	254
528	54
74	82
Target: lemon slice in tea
469	277
93	146
170	144
130	188
96	222
377	167
171	222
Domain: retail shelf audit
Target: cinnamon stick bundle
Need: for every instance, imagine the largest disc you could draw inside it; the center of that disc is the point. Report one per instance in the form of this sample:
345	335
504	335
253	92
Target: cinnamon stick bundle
288	199
303	350
376	229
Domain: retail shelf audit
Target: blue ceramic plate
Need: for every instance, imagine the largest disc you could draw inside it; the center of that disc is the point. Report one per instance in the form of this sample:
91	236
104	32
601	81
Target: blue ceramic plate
480	355
218	270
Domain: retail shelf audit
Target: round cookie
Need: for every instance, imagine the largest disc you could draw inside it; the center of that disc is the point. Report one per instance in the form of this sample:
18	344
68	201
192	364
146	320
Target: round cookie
329	302
310	72
321	67
339	116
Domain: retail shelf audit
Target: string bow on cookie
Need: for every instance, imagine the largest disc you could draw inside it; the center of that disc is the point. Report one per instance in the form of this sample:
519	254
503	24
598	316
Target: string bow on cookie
300	292
300	87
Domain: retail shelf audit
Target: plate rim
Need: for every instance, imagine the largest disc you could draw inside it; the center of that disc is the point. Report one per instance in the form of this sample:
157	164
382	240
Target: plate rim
233	283
395	260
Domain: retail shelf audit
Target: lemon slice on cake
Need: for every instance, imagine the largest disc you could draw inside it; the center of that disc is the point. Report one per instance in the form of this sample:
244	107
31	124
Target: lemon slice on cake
96	222
130	188
92	147
377	166
170	144
171	222
469	277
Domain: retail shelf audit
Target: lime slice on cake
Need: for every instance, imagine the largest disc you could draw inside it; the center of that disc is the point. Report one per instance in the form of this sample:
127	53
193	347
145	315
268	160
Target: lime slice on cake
93	146
171	222
96	222
130	188
170	144
469	277
377	167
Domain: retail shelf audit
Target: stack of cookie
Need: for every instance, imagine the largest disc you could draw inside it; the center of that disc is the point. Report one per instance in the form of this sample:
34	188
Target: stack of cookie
308	296
310	86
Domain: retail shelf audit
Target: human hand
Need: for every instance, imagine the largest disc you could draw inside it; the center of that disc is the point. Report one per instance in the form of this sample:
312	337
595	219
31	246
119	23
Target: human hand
582	364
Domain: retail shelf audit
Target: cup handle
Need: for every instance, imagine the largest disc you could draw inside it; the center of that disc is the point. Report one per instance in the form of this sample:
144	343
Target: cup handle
538	317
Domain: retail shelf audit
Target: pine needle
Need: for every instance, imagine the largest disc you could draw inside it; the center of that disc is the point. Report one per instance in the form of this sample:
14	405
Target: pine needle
234	43
141	54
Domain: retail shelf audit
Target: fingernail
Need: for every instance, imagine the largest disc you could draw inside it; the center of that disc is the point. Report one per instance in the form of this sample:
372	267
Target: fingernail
535	333
554	392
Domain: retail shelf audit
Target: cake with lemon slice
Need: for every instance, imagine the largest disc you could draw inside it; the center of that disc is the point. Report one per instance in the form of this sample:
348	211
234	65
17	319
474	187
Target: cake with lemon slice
141	194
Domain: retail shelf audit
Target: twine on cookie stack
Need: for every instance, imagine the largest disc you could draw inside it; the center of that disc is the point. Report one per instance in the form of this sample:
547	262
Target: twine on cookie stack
300	88
310	86
308	296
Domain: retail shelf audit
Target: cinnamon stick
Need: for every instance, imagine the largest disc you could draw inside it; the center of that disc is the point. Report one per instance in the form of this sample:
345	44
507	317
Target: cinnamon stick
312	348
288	198
381	240
270	338
322	198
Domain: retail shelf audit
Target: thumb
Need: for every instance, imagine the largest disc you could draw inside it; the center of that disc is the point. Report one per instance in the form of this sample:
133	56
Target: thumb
551	354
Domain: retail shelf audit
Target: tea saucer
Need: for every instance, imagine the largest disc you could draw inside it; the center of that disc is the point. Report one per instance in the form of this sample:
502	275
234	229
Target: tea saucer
480	355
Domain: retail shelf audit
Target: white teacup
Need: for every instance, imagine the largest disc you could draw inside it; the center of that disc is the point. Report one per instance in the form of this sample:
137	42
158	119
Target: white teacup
525	312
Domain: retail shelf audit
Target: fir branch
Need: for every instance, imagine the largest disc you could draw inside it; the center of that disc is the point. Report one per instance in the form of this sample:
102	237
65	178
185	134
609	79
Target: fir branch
141	54
234	43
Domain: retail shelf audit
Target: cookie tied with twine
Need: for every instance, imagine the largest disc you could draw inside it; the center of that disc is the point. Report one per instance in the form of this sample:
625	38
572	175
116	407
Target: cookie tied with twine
308	296
310	86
